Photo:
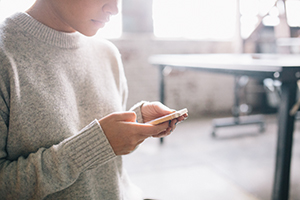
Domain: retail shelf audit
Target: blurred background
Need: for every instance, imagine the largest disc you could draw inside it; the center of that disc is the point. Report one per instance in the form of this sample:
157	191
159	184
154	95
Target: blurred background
191	164
147	27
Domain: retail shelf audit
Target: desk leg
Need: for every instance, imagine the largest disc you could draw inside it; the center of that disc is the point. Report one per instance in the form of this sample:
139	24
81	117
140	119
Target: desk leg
161	89
236	106
284	142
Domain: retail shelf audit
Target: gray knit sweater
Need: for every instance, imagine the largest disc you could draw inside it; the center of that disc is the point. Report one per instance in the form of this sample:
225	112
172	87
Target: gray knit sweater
53	87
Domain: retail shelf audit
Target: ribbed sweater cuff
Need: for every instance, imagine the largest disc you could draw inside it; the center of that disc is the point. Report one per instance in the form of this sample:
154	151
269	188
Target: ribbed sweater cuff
137	108
90	147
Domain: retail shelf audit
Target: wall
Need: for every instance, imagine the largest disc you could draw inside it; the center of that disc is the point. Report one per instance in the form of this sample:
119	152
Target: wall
202	93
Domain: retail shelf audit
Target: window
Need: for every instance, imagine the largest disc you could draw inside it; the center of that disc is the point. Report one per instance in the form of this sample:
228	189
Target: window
252	11
292	11
218	19
195	19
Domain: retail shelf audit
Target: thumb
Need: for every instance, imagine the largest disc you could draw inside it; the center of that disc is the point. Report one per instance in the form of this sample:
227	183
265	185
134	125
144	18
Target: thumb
128	116
149	130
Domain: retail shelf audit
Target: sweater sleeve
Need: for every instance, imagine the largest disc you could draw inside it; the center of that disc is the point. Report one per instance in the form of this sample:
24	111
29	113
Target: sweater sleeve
51	170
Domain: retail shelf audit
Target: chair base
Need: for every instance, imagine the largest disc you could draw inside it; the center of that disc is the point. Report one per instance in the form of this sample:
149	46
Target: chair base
238	121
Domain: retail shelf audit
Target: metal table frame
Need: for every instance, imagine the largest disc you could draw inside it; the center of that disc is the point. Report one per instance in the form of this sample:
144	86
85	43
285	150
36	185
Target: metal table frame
285	68
237	119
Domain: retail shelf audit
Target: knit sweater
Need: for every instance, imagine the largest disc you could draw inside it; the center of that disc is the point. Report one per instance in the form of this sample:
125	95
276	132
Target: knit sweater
54	87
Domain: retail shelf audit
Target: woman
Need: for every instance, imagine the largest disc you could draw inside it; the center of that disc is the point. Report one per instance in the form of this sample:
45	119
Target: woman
63	125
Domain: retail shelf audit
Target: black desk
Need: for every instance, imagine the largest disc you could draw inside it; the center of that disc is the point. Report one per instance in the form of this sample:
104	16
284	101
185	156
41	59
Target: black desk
285	68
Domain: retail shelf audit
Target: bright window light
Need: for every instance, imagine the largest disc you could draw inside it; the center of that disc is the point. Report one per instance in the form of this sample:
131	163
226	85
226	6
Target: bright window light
272	19
112	29
250	11
292	12
9	7
195	19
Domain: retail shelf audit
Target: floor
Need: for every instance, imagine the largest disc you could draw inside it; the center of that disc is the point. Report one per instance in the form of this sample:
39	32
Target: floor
191	165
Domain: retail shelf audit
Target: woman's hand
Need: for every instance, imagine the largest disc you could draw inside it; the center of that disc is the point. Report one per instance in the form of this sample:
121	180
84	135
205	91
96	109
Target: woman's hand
125	134
153	110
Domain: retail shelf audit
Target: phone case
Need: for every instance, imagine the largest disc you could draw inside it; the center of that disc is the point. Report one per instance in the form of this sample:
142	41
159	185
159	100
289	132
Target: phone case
171	116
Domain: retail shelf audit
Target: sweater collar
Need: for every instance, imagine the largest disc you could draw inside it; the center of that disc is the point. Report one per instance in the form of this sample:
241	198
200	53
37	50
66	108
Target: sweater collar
45	33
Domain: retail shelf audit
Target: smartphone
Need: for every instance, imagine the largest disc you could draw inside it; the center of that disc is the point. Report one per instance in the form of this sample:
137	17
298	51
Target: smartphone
171	116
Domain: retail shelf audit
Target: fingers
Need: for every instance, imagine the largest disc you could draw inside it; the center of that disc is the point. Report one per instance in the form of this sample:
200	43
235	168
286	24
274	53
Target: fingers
159	107
152	110
168	131
125	134
163	129
181	119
